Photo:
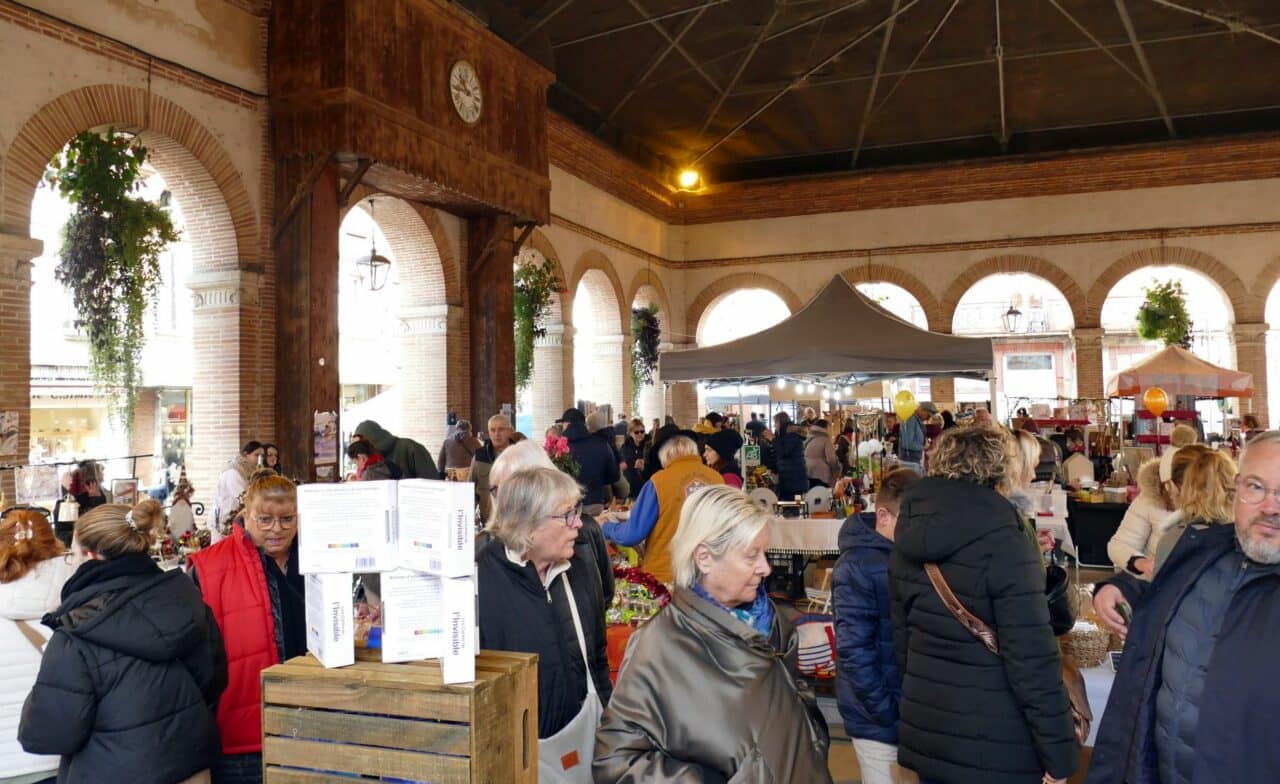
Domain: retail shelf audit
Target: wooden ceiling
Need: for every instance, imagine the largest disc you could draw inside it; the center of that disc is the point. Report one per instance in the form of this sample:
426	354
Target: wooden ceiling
754	89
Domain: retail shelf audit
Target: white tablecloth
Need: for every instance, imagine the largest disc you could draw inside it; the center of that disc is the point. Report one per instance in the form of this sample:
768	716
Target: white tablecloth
804	536
1097	683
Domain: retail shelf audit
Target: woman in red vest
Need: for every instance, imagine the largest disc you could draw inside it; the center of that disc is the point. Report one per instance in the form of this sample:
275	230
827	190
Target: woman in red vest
251	582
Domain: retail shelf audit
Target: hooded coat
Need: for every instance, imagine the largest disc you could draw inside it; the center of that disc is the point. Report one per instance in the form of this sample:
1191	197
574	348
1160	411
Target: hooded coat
868	685
409	456
1144	522
597	462
820	461
25	599
129	678
703	697
788	462
967	714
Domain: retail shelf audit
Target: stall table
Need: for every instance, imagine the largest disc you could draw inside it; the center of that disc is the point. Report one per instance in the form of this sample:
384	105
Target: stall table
795	541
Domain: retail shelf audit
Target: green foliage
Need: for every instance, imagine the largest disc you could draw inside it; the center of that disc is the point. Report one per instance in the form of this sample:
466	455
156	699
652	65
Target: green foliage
646	334
535	283
110	256
1164	315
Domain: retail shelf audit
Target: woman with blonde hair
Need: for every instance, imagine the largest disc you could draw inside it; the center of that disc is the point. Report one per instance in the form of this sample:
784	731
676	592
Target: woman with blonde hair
738	710
958	534
134	666
1202	484
32	572
251	582
539	594
1133	546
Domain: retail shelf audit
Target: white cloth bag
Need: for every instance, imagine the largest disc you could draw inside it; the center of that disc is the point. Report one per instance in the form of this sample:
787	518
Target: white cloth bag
566	756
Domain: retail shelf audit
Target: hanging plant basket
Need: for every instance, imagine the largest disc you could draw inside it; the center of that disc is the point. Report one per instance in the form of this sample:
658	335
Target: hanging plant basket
1163	316
646	333
535	283
110	256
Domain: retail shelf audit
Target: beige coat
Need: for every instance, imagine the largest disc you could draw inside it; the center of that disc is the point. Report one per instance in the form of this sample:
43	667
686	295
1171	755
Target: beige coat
820	456
1145	521
703	697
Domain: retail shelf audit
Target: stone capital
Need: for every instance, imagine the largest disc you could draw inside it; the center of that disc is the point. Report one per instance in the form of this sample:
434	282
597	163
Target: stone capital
1250	334
427	319
225	289
1087	336
16	253
610	340
553	337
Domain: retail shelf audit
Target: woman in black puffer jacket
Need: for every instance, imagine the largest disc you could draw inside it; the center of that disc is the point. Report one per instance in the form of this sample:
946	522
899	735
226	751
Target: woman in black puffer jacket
966	714
135	664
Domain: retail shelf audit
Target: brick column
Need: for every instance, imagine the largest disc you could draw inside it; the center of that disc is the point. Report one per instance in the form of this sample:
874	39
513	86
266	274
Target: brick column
547	384
225	392
609	369
424	387
1251	357
142	439
16	253
682	398
1090	380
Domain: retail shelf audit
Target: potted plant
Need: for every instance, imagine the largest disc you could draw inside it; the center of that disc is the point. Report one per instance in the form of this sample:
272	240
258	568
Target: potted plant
1163	316
646	333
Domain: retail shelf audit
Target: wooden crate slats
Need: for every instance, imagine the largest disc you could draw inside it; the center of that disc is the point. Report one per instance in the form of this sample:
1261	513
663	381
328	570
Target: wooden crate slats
366	760
406	734
317	692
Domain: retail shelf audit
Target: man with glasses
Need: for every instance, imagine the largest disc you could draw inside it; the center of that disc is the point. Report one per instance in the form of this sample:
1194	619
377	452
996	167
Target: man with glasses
499	427
1197	680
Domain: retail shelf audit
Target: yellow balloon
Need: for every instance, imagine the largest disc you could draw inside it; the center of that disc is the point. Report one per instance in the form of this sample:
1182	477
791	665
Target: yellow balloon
1155	400
904	403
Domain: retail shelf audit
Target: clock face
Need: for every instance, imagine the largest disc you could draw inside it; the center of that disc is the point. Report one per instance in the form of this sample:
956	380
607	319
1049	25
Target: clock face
464	86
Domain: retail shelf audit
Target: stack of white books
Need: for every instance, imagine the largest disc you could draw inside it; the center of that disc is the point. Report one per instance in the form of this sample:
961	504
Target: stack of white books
419	534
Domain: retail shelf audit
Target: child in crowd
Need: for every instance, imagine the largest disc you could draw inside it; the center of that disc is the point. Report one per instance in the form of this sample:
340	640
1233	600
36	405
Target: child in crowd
868	684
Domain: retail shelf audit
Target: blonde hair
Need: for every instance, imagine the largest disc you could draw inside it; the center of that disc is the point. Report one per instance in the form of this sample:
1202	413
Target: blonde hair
26	539
1207	486
720	517
115	530
524	500
523	456
981	455
1026	459
267	485
1183	435
674	447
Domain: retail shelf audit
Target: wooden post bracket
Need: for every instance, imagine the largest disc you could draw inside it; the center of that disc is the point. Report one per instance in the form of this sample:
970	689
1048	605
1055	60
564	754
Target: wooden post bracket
304	190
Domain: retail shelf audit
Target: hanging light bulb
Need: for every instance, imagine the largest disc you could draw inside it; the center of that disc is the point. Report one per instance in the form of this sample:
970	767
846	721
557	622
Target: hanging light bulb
826	393
782	383
848	391
377	266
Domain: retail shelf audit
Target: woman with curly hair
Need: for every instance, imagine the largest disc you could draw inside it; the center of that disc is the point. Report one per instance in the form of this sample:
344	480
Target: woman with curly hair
960	520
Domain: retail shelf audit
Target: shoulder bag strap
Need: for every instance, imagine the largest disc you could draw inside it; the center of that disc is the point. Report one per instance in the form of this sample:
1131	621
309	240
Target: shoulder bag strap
577	626
33	636
972	623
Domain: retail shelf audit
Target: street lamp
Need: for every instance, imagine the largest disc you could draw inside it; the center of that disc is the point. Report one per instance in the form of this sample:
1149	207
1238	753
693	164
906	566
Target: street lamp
1012	319
374	266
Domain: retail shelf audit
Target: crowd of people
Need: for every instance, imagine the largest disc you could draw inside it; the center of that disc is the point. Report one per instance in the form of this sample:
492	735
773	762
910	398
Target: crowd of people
946	616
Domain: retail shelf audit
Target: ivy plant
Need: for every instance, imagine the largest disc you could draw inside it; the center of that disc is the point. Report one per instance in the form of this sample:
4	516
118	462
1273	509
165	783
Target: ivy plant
110	256
1163	316
535	283
646	334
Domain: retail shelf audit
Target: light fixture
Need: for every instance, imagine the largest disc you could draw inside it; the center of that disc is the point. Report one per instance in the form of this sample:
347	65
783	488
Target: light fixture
1012	319
813	388
826	393
848	391
782	383
373	266
688	179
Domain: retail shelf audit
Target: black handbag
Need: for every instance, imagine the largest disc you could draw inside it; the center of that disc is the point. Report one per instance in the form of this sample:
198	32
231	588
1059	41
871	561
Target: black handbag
1057	592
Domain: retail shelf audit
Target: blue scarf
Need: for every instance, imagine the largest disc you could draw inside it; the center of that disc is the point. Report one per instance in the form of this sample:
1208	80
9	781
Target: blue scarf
758	615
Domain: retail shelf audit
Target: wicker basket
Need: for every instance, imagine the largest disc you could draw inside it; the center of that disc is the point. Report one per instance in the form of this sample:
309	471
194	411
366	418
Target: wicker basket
1086	647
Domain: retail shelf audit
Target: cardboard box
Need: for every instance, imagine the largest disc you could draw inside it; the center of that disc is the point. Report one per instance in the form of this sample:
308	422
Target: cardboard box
347	527
429	617
330	619
401	721
435	527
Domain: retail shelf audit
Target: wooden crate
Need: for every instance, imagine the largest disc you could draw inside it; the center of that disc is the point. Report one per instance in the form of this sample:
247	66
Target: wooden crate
401	721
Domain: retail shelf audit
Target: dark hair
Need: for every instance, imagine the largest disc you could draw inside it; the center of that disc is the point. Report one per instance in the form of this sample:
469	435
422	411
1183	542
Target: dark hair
820	423
893	486
251	447
1074	434
714	418
359	447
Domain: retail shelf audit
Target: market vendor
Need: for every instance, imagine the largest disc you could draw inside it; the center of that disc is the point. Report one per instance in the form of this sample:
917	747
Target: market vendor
656	512
251	582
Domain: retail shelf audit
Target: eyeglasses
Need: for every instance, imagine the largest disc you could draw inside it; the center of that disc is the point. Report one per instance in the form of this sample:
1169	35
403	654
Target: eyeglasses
568	517
1253	492
637	432
267	522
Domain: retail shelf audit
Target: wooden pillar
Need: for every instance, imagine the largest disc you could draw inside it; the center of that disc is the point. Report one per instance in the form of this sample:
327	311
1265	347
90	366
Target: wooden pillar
491	315
307	314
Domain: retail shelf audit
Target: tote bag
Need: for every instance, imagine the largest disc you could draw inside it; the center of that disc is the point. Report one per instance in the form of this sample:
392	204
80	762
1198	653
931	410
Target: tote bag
566	756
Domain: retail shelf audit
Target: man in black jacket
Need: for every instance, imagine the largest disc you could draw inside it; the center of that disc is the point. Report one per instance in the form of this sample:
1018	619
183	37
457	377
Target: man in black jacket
597	461
1198	670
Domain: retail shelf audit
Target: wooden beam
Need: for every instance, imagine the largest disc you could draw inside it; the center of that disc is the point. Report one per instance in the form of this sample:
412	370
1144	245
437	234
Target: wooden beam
303	191
361	168
491	315
526	230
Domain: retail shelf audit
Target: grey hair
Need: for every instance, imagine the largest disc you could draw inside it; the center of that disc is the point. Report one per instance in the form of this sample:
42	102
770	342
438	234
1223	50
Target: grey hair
1265	437
498	419
524	500
720	517
523	456
676	446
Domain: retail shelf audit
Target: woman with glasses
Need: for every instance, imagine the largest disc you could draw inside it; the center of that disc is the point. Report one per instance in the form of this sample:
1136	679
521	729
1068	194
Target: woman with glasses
634	450
251	582
135	665
539	595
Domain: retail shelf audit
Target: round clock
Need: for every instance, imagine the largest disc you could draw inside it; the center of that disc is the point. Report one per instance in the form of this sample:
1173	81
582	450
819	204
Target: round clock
464	86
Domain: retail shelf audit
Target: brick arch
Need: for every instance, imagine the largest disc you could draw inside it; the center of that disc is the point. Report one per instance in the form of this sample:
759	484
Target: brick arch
730	283
645	278
612	293
539	242
1013	263
196	163
1266	282
558	297
883	273
1246	306
415	233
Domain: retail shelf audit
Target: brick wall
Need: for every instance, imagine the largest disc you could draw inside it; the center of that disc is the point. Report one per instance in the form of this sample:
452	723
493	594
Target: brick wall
142	439
15	344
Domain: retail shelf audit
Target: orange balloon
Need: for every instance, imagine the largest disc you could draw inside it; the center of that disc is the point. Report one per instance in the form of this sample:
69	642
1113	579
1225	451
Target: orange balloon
1155	400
